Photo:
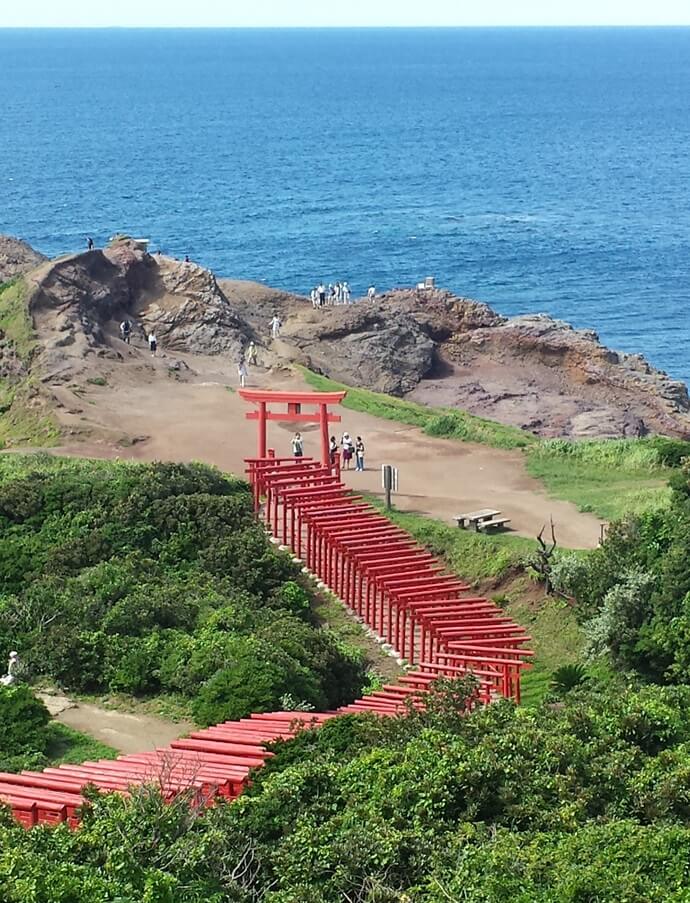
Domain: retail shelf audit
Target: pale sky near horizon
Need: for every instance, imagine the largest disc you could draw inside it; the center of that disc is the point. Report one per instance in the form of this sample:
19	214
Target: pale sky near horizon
298	13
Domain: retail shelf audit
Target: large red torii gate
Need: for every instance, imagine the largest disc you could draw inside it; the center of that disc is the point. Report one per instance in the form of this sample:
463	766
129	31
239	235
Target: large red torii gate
294	401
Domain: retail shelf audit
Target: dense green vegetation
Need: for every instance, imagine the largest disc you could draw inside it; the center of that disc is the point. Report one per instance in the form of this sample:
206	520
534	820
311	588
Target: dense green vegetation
585	801
633	593
31	740
441	422
150	579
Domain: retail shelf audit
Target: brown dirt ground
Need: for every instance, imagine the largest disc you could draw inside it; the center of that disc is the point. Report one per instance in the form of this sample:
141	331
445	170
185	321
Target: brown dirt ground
200	418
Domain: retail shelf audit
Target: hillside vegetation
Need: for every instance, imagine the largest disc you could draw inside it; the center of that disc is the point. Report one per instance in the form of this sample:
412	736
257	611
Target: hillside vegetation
580	802
157	579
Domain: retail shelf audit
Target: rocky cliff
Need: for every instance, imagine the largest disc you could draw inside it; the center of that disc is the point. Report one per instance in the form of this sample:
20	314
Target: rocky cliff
16	257
433	347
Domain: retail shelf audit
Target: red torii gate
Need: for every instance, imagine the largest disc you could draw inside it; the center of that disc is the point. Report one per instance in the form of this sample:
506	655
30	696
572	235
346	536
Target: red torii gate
294	401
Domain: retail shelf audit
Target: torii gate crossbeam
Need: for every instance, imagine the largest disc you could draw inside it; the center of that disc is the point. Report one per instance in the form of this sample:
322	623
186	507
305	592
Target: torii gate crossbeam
293	401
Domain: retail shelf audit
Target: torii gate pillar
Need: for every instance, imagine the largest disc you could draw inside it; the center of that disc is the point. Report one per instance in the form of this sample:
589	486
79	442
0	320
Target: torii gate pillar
293	402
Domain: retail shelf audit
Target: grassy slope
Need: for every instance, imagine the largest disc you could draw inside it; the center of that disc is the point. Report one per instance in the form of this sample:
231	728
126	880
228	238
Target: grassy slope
441	422
608	477
23	419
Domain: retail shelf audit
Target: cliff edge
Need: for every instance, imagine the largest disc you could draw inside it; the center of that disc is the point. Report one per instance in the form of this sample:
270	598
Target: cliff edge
432	347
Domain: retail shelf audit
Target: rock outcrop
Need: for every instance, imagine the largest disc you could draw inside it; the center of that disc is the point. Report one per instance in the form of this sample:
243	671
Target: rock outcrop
16	258
545	376
532	371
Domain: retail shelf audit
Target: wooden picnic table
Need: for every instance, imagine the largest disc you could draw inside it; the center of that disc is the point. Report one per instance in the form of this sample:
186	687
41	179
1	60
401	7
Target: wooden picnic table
475	517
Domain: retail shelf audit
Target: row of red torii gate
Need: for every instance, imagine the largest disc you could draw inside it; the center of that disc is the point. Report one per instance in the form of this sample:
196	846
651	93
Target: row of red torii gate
427	616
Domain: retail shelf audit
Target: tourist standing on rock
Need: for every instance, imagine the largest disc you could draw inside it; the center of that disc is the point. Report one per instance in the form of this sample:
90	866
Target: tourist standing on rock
126	331
371	294
153	343
348	450
275	326
242	373
322	294
251	354
89	243
314	298
346	293
297	446
359	454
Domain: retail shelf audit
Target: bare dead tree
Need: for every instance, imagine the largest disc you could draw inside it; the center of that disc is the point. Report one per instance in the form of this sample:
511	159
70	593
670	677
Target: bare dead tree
540	561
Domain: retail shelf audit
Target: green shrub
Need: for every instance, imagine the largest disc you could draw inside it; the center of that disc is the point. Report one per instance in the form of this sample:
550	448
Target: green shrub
23	722
142	578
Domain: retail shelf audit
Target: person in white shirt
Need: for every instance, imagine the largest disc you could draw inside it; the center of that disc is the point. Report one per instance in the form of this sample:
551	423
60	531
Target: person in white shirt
275	326
153	344
371	294
346	293
242	373
12	670
297	446
348	450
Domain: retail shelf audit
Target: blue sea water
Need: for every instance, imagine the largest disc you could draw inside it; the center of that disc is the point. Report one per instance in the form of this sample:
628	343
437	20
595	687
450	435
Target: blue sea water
537	170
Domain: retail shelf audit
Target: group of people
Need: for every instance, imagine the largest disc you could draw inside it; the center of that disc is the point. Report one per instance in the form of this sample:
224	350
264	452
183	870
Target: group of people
338	293
350	450
126	336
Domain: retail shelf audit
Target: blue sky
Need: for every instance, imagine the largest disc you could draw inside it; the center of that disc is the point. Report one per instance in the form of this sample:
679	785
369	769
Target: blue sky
343	12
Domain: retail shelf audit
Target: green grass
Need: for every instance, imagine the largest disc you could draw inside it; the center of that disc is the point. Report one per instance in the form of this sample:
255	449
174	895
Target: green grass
24	417
440	422
556	639
69	747
14	319
610	478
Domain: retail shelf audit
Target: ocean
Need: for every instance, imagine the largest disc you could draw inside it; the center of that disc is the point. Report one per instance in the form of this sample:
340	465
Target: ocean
534	169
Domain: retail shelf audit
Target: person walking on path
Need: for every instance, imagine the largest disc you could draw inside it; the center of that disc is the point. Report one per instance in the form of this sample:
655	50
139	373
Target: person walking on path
297	446
359	454
153	344
332	451
242	373
275	326
126	331
251	354
348	450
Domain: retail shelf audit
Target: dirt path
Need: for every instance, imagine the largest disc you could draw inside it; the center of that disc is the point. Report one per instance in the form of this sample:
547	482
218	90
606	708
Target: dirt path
124	732
201	419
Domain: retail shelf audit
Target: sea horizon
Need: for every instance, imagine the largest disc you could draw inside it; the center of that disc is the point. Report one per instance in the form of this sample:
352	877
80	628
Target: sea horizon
537	169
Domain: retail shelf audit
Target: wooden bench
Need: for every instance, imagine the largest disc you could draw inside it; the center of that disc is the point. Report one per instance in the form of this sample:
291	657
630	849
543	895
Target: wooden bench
474	518
496	523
